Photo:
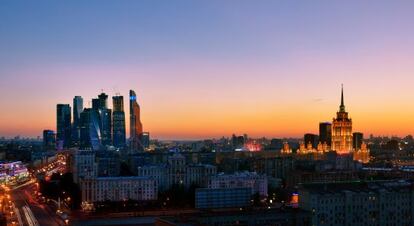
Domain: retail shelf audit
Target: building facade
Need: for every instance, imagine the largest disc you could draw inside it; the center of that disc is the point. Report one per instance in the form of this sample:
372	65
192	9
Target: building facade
118	122
342	130
63	126
257	183
215	198
116	189
49	140
77	109
325	133
135	123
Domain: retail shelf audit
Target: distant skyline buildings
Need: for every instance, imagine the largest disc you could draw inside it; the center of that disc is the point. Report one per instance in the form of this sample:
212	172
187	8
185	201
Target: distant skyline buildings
107	121
263	73
99	127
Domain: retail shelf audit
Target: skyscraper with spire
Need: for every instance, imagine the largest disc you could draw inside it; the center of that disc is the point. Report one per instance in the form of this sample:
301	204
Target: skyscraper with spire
135	123
342	130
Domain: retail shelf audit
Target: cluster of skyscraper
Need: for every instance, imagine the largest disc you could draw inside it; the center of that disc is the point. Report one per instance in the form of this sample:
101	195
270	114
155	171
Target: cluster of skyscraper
100	127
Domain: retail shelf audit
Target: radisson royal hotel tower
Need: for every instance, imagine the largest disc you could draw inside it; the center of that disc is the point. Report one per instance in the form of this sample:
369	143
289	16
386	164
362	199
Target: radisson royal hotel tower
342	130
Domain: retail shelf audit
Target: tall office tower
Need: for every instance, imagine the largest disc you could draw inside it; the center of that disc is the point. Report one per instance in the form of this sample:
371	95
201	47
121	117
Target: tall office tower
342	130
103	101
63	126
90	131
325	133
96	104
77	109
118	122
118	103
105	119
357	139
145	139
49	140
135	122
311	138
106	126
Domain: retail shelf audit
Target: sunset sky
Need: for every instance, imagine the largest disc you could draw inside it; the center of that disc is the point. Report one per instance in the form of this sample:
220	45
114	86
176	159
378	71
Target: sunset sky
206	69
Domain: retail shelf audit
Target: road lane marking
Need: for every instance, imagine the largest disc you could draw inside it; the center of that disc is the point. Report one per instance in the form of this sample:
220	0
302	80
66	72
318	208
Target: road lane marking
19	217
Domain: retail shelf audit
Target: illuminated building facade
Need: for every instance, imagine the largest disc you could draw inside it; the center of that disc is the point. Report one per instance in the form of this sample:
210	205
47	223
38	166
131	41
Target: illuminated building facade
286	149
135	122
342	130
362	154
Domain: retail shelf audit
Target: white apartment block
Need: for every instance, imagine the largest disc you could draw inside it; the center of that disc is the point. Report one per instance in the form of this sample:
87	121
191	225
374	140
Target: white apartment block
257	183
102	189
83	165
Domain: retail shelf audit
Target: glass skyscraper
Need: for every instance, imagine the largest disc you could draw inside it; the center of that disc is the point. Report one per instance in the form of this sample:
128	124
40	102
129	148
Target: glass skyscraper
90	131
118	125
135	122
63	126
77	109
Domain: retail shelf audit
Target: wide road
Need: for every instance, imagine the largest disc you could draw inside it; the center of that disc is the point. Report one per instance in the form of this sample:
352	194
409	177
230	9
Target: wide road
38	214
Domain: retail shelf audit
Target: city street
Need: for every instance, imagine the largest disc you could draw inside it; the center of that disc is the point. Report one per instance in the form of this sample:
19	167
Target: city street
31	213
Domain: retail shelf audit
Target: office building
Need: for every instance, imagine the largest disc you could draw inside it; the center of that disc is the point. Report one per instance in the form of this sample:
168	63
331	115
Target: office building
90	131
342	130
106	126
145	139
325	133
118	122
63	126
357	139
77	110
135	123
96	104
49	140
312	139
103	101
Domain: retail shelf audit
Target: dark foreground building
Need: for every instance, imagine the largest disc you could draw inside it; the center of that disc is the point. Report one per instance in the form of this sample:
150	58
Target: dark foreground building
273	217
359	203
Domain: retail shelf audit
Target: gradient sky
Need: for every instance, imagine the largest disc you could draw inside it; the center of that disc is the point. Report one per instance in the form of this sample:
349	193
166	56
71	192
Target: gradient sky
211	68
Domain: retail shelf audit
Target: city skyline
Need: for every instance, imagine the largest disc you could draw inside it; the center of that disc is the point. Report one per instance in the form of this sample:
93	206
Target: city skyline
195	80
135	97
